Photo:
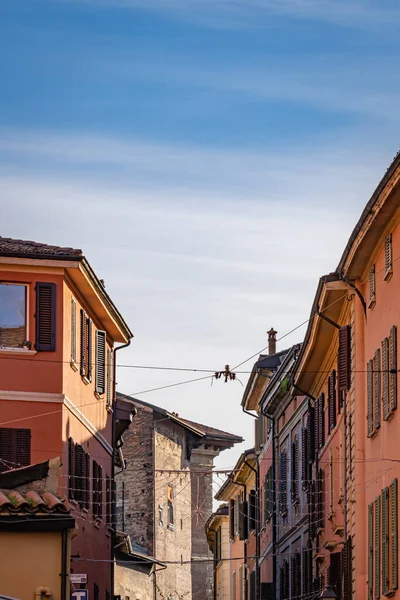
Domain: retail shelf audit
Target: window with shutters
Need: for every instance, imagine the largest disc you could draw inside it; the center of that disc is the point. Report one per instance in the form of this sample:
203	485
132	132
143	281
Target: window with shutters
79	474
321	421
370	398
109	378
268	496
311	435
284	580
295	484
370	578
252	510
73	332
109	502
393	369
385	541
170	506
218	545
332	401
231	520
243	524
305	458
45	317
86	340
306	569
344	358
97	490
283	484
385	378
335	573
377	547
388	257
100	380
15	448
371	301
320	500
377	389
13	321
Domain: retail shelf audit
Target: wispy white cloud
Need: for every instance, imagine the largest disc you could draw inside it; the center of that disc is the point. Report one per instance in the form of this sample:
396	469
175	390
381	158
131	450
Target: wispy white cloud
236	13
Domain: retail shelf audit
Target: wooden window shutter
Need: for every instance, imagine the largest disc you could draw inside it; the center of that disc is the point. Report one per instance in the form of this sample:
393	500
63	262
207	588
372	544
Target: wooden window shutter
385	378
332	401
312	513
292	576
232	519
87	482
370	398
89	349
80	474
304	572
311	434
347	569
344	358
95	499
6	450
108	501
370	580
83	340
252	510
394	533
385	541
372	285
304	458
393	368
321	419
100	490
377	547
293	472
241	522
283	483
109	378
73	331
100	362
316	428
388	254
22	446
296	468
45	317
334	573
377	389
71	468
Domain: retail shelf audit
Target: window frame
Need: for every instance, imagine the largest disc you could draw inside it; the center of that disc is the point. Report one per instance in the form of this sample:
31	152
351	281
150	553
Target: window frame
388	249
27	347
170	506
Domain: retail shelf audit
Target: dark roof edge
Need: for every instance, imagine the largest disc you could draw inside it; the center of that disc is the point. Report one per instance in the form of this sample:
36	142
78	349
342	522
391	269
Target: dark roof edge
254	372
278	374
370	204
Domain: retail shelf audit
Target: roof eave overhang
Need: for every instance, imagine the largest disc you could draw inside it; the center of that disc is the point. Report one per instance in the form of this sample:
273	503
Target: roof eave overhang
271	400
256	385
330	298
379	210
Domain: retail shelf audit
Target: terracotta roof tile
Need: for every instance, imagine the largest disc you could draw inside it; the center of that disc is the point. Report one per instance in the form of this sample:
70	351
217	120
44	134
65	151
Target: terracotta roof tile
15	502
10	247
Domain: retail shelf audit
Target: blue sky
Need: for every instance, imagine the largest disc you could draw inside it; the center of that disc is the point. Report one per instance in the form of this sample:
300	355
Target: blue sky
210	157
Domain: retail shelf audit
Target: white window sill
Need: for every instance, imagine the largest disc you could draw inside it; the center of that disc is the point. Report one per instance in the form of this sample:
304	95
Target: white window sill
6	350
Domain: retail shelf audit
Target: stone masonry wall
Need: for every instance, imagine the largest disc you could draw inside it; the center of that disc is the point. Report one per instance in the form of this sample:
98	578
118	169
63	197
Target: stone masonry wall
201	464
173	542
139	481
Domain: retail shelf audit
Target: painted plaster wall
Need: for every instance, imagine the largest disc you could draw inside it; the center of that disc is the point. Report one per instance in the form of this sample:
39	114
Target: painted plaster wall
133	582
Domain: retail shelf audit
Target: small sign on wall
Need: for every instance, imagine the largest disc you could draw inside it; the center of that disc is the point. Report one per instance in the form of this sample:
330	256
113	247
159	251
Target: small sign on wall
80	595
78	577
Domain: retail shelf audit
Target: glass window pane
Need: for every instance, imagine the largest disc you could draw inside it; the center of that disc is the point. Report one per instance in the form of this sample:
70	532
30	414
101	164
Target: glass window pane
12	315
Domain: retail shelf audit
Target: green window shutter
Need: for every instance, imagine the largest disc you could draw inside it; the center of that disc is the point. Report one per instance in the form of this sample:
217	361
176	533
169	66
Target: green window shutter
385	541
370	550
385	378
377	389
370	398
393	367
377	547
394	532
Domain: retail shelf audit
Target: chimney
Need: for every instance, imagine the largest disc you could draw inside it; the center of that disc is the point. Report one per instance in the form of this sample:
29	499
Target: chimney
272	341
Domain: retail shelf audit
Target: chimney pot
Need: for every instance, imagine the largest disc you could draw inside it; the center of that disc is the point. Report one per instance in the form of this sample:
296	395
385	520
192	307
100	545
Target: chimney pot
272	341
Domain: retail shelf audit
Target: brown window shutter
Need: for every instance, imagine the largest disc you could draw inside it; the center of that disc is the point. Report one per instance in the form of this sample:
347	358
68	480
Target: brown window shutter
320	500
370	398
316	428
321	419
109	377
6	450
372	284
100	362
385	541
283	483
23	446
334	573
231	519
377	389
108	501
71	468
311	434
83	336
312	513
370	581
332	402
393	368
89	349
347	569
385	378
94	488
87	482
73	331
388	254
377	548
100	490
394	533
344	358
45	317
80	474
304	458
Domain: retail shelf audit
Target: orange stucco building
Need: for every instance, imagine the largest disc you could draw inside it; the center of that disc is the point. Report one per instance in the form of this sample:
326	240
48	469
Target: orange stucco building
58	328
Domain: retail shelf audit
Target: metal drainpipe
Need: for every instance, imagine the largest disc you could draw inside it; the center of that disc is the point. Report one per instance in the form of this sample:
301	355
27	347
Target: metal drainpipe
113	494
64	565
257	472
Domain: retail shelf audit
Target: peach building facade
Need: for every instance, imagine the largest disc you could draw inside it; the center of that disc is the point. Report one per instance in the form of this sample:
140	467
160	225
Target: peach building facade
58	328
